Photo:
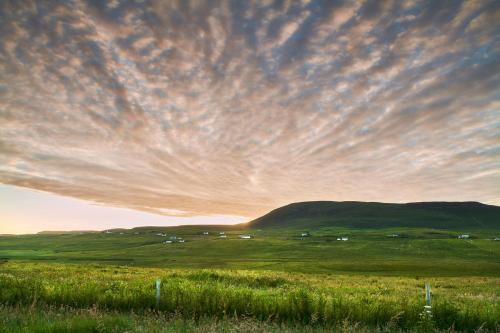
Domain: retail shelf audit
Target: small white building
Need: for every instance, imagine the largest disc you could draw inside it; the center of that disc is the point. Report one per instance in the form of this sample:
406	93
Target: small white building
162	235
393	235
205	232
167	242
342	238
222	233
496	239
109	232
305	234
464	236
245	236
223	236
181	240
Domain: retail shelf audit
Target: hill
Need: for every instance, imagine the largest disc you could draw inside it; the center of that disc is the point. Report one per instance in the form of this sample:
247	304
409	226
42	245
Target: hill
63	232
437	215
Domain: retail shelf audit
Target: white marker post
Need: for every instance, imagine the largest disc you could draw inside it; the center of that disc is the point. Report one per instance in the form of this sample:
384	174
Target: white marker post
158	285
428	306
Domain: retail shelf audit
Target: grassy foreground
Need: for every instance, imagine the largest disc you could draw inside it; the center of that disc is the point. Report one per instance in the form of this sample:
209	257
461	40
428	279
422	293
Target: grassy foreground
49	319
111	297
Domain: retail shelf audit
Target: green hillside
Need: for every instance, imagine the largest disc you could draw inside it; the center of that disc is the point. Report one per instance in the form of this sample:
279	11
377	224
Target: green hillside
437	215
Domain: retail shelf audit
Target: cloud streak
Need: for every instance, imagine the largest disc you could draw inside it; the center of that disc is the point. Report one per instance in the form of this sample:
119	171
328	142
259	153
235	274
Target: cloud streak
230	107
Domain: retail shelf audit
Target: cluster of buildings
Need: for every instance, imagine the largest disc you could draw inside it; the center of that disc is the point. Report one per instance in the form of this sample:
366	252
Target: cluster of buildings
307	234
222	234
174	239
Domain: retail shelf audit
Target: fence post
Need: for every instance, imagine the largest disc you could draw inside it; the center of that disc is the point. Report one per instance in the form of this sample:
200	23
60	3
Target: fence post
428	307
158	285
427	294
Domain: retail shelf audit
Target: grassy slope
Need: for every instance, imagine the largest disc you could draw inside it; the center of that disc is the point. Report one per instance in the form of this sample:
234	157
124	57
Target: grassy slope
438	215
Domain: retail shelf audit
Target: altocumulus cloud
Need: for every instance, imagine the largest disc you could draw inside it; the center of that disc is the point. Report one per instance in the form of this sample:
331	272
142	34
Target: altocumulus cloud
235	107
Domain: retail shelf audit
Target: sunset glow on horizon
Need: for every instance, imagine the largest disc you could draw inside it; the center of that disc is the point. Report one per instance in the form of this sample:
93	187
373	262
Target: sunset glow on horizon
174	112
26	211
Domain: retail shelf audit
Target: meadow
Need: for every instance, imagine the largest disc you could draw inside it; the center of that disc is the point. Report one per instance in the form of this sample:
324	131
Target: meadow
316	301
276	281
417	251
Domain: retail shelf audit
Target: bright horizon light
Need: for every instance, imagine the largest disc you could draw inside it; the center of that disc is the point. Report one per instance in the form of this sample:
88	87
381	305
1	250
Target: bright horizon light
26	211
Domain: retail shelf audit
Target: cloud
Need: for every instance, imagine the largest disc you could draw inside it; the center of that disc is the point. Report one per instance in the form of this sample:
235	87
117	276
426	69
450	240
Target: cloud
181	108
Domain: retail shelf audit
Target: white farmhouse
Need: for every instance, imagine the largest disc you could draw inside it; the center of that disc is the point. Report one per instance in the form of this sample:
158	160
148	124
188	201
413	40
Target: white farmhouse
223	236
342	238
167	242
464	237
205	232
245	236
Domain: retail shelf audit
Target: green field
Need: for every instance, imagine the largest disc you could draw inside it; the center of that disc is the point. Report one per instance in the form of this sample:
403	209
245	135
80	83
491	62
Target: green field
275	281
307	301
422	252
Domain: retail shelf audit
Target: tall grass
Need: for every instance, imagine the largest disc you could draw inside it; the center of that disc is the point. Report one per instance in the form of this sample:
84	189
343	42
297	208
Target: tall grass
269	297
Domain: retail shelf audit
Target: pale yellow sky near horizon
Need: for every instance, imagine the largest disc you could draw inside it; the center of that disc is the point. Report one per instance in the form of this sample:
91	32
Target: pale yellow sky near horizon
27	211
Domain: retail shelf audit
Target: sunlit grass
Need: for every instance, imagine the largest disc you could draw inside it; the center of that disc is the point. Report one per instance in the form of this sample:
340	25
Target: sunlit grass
272	297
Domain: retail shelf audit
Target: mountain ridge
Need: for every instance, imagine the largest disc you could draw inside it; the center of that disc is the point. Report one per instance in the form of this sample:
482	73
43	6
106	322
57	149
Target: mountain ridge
432	214
357	214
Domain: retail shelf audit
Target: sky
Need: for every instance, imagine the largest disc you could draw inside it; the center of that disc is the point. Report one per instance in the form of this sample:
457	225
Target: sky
60	213
124	113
